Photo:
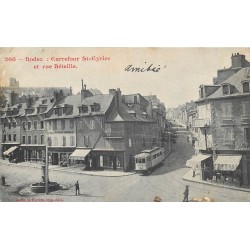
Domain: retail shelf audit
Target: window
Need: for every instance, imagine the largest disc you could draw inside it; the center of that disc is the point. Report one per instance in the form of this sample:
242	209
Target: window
24	126
29	125
49	141
86	140
23	139
247	134
226	110
101	160
246	109
71	124
92	124
245	87
9	137
63	124
42	139
5	125
9	125
4	138
130	143
135	99
72	141
14	137
229	135
14	124
29	139
41	124
35	139
225	89
54	125
56	141
64	141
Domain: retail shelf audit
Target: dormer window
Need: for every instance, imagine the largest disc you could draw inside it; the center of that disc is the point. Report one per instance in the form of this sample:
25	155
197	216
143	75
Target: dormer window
83	109
245	86
225	89
44	101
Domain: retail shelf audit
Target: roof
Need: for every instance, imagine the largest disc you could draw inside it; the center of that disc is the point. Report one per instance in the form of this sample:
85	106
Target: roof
72	100
125	113
236	81
103	100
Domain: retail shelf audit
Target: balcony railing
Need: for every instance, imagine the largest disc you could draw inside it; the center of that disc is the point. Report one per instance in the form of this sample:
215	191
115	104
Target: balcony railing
113	134
202	145
201	123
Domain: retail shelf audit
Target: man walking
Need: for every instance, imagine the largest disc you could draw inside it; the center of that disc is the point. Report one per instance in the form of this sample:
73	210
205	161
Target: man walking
186	193
77	188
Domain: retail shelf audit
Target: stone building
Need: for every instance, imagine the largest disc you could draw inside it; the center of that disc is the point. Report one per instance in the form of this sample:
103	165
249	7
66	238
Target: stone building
223	124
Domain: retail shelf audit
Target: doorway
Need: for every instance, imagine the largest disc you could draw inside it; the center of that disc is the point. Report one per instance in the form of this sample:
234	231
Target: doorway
55	159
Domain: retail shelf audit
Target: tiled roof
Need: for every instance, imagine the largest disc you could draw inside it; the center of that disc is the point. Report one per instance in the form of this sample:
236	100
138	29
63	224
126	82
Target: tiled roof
236	81
103	100
127	114
72	100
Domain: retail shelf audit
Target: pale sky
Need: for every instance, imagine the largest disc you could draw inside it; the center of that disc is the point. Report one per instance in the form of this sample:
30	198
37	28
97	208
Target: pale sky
182	71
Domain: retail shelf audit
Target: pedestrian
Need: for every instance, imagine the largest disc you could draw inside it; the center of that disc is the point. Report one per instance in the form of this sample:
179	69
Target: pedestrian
77	188
193	172
186	193
3	180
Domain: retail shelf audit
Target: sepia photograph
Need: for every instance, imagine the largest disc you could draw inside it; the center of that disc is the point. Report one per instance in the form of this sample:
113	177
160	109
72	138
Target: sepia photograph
125	124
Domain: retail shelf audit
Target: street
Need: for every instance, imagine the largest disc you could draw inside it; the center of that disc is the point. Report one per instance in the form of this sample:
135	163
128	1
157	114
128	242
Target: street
165	182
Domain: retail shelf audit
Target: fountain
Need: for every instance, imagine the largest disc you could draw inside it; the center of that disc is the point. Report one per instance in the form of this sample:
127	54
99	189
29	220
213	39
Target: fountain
39	187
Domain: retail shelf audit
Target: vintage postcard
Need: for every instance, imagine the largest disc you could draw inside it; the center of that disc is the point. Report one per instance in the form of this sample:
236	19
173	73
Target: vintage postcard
124	124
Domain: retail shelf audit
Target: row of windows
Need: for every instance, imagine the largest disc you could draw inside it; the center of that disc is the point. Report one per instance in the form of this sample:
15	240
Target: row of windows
35	125
9	137
35	139
59	125
230	135
10	125
54	141
227	109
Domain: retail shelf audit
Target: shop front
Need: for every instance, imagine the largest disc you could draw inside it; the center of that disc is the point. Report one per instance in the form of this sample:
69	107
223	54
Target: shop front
202	164
60	156
32	153
11	152
81	157
108	159
228	170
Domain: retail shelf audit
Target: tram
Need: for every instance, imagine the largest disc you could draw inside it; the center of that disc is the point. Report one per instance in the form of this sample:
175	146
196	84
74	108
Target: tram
148	159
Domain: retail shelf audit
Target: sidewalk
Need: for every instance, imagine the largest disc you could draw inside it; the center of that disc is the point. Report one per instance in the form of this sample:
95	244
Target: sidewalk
73	169
189	177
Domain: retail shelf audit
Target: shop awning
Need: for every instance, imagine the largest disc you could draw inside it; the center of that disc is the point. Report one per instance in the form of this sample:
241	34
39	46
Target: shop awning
10	150
196	159
227	162
79	154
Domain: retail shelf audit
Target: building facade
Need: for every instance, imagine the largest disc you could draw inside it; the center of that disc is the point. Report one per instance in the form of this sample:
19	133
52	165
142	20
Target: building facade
223	124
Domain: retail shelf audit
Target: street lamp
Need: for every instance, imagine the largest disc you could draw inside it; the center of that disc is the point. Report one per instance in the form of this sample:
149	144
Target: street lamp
46	164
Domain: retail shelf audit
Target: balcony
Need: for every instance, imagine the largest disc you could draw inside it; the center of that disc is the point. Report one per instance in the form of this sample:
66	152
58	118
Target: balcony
201	145
115	135
244	145
201	123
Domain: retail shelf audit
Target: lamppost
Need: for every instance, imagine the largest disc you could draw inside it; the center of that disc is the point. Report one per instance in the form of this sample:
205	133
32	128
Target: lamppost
46	164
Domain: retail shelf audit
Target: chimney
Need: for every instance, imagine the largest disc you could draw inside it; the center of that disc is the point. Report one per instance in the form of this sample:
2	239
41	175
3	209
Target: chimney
118	97
70	91
13	98
84	92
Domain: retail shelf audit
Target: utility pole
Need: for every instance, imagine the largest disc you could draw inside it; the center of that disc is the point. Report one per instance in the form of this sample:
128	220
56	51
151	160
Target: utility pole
46	164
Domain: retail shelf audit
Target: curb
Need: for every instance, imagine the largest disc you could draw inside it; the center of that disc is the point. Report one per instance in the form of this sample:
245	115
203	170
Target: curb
66	170
214	184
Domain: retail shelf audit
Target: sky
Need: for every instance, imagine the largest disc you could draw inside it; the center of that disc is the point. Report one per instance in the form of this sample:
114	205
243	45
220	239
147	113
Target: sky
182	70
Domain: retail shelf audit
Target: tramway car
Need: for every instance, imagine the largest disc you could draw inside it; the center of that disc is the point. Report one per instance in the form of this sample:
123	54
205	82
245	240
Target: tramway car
148	159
